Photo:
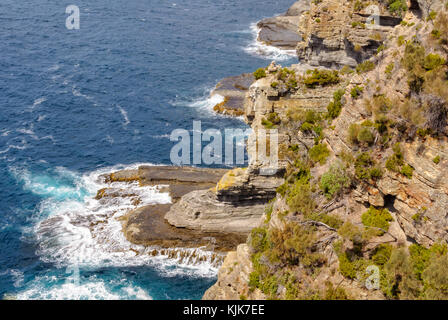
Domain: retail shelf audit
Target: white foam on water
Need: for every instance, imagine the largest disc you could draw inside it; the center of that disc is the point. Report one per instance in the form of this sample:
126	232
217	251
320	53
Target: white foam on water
38	102
41	118
205	102
125	116
72	228
257	48
15	146
77	93
17	276
28	131
55	67
162	136
51	287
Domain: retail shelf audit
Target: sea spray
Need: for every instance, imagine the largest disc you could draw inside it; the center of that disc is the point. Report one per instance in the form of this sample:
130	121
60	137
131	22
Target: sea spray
265	51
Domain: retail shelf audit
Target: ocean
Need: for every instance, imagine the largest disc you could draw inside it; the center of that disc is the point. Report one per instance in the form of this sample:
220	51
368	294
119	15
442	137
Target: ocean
75	104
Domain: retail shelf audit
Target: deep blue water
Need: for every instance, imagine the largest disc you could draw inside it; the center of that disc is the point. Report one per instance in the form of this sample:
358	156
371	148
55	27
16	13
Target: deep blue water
74	102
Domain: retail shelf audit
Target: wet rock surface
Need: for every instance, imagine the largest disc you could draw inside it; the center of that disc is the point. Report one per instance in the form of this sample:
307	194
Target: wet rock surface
282	31
147	226
233	90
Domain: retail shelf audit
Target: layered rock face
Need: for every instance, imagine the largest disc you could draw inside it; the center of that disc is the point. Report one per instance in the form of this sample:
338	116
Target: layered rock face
236	204
146	225
334	34
386	124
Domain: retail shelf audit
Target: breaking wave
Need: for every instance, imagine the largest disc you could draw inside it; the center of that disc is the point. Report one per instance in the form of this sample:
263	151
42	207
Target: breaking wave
256	48
74	229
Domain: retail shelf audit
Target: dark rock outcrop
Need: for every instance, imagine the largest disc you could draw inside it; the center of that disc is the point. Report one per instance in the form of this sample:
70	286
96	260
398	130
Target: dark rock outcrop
233	90
147	226
282	31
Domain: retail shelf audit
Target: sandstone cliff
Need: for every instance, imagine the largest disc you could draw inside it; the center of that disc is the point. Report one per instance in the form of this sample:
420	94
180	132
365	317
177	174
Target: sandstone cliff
364	157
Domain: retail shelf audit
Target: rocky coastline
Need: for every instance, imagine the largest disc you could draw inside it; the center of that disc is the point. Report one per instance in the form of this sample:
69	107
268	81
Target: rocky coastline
315	106
359	120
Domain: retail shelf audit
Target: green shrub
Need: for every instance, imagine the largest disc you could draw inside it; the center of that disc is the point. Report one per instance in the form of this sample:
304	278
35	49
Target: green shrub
432	15
346	70
381	124
331	221
299	198
272	121
306	127
441	26
322	78
319	153
380	48
407	171
310	119
268	210
358	24
382	254
417	217
269	286
394	162
260	73
397	7
292	82
436	160
334	180
283	189
365	168
334	108
398	279
365	66
254	280
337	293
353	131
274	84
376	173
359	5
356	91
285	73
436	34
365	136
435	279
421	256
422	133
258	239
400	41
352	267
294	246
389	69
413	61
378	218
433	61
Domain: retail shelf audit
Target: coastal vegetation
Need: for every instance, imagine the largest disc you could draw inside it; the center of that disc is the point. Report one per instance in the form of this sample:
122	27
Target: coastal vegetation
318	77
363	146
